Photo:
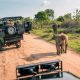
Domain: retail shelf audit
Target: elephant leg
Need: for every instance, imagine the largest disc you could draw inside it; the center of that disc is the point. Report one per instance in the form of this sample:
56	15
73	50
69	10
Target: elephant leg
61	49
58	49
66	48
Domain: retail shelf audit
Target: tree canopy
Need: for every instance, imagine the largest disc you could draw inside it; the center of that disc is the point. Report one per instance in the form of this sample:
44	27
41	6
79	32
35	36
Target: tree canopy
50	13
41	16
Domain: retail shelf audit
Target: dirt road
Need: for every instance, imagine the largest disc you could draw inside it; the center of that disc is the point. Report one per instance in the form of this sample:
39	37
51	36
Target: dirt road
34	50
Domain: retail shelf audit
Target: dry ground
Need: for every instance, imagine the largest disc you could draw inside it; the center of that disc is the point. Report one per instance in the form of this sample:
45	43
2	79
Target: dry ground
34	50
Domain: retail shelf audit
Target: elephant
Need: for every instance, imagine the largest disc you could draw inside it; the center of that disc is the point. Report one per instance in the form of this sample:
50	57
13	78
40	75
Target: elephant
61	43
61	39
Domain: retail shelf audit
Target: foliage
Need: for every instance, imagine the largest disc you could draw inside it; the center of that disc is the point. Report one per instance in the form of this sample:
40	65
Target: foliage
68	16
46	34
76	15
60	18
44	17
69	24
41	16
27	19
50	13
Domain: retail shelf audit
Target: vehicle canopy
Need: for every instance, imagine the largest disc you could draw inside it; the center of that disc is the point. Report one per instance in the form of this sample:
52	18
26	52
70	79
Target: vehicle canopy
11	18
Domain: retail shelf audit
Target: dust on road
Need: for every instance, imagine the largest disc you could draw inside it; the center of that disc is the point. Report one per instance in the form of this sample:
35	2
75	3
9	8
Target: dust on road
34	50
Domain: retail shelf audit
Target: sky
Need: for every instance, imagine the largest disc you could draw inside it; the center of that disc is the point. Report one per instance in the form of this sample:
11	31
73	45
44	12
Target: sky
28	8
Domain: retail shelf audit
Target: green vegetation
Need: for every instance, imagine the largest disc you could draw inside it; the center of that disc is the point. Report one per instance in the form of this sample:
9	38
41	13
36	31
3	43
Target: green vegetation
74	41
46	34
42	26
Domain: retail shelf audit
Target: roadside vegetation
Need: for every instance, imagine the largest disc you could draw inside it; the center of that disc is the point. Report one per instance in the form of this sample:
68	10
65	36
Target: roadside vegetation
42	26
46	34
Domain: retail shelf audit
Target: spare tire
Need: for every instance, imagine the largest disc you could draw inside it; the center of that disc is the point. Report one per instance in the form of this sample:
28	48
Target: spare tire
11	30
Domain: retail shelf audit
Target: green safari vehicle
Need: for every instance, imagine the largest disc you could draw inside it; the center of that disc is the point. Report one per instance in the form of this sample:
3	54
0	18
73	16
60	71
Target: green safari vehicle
11	31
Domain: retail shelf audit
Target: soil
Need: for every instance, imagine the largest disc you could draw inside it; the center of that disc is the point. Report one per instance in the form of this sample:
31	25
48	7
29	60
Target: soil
34	50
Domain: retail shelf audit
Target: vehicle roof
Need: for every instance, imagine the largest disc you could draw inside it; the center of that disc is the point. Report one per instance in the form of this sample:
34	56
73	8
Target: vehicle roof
11	18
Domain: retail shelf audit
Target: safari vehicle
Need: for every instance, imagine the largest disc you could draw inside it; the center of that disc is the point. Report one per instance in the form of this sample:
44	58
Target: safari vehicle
28	26
48	70
39	71
11	31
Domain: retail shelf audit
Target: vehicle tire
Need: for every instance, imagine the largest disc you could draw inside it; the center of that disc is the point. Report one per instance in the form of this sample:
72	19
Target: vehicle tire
18	44
1	49
11	30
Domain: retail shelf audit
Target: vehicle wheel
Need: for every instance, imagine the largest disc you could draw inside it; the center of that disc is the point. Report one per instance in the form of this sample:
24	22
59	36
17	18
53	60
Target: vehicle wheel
11	30
18	44
1	49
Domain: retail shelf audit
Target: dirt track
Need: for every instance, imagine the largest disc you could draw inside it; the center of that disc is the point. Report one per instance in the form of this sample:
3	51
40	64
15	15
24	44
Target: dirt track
34	50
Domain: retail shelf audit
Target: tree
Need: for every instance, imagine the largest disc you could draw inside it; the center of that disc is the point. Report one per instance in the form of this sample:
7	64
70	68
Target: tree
68	16
77	15
41	17
60	18
50	13
27	19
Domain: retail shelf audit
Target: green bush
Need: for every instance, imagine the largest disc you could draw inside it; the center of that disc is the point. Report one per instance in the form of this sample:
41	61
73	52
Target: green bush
47	34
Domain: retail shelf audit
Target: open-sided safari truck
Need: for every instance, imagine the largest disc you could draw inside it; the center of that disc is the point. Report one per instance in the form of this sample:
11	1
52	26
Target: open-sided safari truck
11	31
28	26
40	71
49	70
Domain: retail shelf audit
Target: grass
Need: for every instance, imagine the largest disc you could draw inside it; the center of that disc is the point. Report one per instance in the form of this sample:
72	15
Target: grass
46	34
43	33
